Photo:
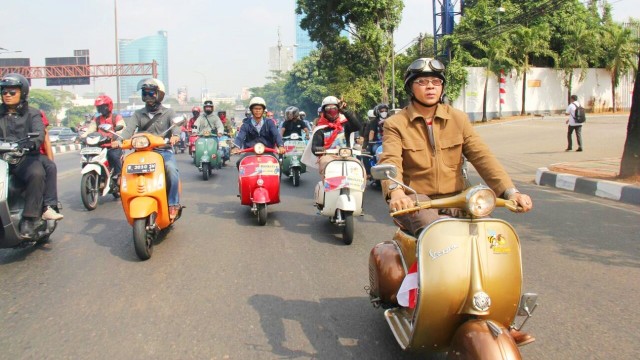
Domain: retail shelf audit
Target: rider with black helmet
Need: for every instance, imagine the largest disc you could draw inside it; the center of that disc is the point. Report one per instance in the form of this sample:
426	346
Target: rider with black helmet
426	142
293	123
156	119
209	121
17	120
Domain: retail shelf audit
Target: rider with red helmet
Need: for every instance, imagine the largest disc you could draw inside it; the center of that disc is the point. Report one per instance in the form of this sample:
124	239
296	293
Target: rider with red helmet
104	106
195	111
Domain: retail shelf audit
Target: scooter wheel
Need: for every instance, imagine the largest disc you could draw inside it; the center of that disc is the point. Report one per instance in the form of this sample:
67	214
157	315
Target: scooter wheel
89	190
348	229
142	241
296	177
205	171
262	214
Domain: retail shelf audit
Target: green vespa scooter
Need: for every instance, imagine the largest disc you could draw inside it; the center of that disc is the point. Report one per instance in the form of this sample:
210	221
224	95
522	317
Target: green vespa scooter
206	155
291	164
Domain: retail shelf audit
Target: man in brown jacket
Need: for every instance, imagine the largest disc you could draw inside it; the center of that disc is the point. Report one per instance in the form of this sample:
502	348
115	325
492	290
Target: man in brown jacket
426	141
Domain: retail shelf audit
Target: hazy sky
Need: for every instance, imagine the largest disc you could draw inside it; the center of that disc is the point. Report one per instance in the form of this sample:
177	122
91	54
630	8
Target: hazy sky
227	41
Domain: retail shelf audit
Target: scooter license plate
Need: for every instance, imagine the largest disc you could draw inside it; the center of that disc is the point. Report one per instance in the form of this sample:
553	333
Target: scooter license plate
90	151
141	168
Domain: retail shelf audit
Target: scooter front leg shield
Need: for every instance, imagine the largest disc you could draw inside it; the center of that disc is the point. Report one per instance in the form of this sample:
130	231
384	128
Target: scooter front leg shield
346	202
142	207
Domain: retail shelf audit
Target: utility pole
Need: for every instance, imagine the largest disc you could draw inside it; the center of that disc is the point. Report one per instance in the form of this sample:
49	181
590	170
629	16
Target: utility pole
279	52
115	17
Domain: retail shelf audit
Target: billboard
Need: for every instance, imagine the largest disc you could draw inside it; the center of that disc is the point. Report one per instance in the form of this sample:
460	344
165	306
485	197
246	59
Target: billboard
72	60
14	62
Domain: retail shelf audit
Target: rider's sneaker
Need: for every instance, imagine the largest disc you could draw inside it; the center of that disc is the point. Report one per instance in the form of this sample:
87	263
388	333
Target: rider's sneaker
51	214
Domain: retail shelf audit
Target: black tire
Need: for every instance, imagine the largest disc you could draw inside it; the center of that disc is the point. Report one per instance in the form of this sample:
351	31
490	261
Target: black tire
262	214
348	229
205	171
142	241
89	190
296	177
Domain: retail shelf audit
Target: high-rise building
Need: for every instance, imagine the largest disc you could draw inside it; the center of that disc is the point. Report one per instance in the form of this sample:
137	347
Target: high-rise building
143	50
303	44
281	58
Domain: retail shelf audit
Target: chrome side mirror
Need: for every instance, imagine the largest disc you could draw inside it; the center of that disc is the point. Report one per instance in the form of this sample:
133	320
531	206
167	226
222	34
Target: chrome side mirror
105	127
384	172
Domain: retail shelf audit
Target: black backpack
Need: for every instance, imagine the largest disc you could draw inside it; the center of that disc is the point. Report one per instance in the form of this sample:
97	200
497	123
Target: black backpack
579	114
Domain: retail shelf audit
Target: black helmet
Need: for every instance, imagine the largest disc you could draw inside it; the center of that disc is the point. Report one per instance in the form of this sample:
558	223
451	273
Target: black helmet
153	84
378	108
423	67
14	79
207	103
291	113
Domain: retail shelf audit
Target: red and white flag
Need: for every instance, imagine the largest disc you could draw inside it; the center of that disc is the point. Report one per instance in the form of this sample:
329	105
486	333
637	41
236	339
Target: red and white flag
409	289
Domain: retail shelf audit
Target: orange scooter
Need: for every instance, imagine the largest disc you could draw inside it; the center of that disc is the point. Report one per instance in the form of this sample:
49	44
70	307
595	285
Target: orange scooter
144	190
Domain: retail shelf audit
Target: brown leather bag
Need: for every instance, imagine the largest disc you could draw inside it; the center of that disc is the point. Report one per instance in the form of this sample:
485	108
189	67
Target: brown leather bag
386	272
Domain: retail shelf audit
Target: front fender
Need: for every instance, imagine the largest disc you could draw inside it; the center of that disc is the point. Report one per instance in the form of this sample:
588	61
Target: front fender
483	339
142	207
346	202
91	167
261	196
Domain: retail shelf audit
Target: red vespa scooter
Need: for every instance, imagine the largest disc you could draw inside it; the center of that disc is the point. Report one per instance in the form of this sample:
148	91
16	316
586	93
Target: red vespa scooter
192	143
259	180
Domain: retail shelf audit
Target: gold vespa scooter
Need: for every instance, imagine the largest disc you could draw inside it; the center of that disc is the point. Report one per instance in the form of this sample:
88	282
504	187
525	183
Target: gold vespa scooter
467	280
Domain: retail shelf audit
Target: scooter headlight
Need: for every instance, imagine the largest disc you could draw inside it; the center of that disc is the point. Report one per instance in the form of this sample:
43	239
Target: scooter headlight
345	152
258	148
481	201
140	142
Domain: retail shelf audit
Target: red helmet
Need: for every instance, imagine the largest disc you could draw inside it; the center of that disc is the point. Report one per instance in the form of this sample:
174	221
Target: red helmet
196	108
104	100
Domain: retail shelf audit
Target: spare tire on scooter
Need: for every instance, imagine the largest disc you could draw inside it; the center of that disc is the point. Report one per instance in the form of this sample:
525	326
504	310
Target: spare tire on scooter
385	274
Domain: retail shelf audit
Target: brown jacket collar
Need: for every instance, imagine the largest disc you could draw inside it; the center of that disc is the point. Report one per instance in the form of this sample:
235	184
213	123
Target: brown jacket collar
442	112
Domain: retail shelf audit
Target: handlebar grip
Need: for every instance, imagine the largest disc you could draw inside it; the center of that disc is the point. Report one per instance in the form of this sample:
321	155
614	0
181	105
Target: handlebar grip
513	205
405	211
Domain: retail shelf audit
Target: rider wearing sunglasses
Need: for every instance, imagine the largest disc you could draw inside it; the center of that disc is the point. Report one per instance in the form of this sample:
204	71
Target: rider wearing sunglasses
426	141
156	119
17	119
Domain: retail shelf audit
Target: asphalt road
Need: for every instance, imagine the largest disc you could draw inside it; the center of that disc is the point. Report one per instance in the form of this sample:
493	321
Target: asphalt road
221	287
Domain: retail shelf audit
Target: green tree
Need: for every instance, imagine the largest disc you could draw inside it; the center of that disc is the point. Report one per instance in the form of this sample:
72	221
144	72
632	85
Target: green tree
620	56
577	53
370	24
75	115
527	42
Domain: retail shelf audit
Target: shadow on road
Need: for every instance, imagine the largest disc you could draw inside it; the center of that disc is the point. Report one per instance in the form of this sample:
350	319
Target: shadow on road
333	328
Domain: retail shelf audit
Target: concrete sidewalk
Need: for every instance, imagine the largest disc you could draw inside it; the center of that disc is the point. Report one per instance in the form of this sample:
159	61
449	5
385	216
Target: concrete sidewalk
592	177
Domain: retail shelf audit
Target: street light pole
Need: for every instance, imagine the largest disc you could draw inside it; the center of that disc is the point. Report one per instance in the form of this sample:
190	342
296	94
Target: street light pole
115	17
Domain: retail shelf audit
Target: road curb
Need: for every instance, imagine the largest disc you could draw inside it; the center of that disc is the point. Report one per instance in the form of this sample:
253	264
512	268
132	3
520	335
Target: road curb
65	148
612	190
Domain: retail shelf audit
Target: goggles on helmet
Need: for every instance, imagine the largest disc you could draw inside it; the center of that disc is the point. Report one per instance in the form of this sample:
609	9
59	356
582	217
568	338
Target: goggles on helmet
426	65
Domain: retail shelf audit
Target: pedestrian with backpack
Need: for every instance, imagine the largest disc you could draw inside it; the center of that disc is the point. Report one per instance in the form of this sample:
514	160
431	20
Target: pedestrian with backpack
576	119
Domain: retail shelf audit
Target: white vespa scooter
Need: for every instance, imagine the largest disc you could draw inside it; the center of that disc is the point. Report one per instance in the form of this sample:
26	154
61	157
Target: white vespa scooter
339	196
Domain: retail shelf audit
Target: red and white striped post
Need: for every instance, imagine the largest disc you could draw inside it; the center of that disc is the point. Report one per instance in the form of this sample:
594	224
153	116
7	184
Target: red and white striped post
503	91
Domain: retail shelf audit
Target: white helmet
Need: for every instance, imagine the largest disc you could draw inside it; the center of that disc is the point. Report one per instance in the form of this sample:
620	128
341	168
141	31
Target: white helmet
329	100
152	84
370	114
257	101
